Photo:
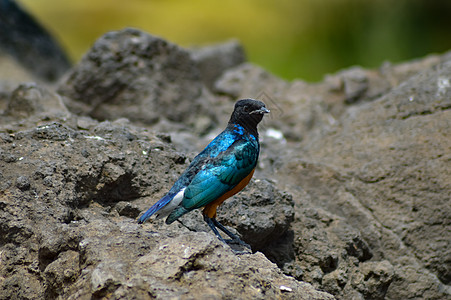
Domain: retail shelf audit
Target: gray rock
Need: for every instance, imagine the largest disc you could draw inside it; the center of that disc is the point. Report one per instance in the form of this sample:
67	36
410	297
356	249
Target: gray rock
382	167
236	82
351	193
30	99
260	213
134	75
78	227
214	60
127	209
23	183
355	84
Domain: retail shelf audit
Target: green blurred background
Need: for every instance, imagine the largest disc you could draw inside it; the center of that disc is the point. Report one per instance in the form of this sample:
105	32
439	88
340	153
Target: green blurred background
292	39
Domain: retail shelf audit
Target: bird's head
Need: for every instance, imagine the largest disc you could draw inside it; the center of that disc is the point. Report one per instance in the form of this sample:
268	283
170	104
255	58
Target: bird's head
248	112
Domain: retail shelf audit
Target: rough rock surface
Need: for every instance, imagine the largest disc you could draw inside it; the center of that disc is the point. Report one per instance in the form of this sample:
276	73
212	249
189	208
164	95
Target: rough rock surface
214	60
351	196
146	73
71	189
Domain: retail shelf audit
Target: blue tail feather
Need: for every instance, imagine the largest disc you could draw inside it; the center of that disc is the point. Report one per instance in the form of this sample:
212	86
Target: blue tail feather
156	207
177	213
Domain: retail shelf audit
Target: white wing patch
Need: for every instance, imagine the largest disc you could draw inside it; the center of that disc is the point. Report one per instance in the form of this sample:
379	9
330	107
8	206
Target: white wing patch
168	208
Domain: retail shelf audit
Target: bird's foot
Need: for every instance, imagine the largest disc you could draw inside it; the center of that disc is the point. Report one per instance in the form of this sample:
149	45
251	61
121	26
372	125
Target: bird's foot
237	247
239	242
241	252
233	242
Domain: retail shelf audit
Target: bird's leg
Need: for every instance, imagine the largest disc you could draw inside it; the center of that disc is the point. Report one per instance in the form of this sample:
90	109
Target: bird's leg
210	223
231	235
213	223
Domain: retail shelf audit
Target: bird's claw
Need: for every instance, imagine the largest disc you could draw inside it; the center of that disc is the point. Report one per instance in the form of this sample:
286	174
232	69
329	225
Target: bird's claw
241	252
239	242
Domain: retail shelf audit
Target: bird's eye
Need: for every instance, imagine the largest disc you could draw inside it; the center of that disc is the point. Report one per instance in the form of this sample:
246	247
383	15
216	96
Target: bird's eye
247	109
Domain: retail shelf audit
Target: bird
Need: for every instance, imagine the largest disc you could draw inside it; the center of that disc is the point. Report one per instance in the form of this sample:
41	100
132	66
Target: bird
221	170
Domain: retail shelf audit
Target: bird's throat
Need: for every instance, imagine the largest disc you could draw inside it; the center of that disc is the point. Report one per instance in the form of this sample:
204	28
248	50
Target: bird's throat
249	123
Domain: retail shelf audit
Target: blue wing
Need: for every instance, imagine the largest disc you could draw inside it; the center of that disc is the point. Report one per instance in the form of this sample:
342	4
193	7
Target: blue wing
221	174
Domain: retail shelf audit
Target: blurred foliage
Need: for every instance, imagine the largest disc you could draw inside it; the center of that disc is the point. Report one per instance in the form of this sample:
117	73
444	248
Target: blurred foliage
291	38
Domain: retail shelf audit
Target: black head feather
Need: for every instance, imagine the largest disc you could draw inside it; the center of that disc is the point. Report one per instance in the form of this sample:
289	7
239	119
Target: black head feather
248	113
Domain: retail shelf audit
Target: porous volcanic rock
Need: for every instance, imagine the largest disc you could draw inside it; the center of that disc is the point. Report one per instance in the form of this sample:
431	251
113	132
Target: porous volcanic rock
351	196
153	77
71	190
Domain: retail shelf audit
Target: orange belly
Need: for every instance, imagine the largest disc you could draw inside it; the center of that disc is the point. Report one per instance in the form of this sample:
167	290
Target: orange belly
210	209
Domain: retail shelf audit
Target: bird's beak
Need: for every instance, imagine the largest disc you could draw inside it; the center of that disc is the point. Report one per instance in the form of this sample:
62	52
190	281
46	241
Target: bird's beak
261	111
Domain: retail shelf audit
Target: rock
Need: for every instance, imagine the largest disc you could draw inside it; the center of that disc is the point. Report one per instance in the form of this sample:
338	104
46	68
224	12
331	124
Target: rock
376	168
236	82
350	195
261	213
29	99
355	84
127	209
134	75
214	60
77	216
25	40
208	267
23	183
62	272
374	279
